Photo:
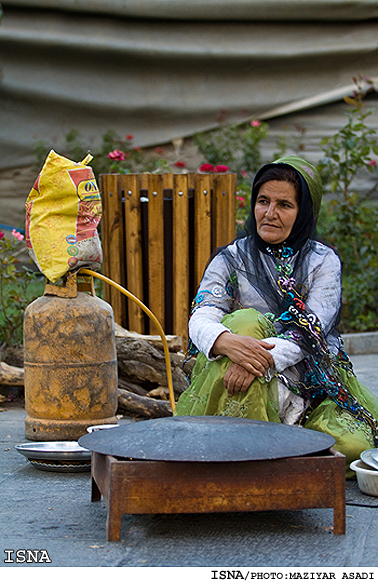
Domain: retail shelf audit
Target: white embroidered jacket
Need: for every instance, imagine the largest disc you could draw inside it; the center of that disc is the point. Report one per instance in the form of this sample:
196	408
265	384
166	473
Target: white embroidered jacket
324	297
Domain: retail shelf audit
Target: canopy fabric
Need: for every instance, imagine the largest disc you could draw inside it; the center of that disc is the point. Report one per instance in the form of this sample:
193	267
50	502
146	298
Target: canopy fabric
252	10
142	69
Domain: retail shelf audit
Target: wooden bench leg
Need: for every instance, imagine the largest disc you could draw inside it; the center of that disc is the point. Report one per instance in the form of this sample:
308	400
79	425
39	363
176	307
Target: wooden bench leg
113	525
95	492
339	518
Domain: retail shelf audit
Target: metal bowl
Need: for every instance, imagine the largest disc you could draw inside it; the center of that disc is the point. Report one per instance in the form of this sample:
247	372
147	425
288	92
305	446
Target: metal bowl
370	458
367	478
54	450
56	456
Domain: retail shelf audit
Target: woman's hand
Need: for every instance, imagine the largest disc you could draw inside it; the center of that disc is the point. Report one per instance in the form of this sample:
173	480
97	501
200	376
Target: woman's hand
252	354
237	379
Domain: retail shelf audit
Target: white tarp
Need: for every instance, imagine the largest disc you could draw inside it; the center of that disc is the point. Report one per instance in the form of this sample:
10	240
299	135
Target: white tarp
139	67
245	10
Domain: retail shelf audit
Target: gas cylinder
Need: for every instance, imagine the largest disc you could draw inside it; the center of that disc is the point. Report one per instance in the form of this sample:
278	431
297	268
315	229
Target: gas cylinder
70	364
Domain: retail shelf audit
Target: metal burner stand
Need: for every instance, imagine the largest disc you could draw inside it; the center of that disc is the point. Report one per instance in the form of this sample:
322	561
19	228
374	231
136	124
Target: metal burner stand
161	487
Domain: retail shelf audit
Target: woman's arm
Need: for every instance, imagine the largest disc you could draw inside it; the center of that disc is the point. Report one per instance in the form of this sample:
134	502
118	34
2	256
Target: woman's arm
248	352
212	302
250	359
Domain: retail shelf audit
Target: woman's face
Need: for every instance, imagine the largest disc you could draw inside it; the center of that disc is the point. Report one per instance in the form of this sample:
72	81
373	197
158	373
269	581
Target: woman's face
276	209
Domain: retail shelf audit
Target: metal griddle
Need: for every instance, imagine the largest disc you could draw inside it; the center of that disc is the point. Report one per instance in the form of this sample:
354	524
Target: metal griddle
206	439
213	464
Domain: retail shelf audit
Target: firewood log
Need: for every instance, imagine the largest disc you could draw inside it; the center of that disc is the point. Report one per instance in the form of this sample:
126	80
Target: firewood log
132	387
141	363
11	375
159	393
136	405
174	342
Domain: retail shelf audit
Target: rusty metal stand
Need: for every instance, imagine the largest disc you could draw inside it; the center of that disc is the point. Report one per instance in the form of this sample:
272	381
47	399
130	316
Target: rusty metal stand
159	487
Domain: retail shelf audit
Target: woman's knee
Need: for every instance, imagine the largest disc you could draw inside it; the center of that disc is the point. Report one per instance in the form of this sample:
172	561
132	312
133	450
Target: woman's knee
249	322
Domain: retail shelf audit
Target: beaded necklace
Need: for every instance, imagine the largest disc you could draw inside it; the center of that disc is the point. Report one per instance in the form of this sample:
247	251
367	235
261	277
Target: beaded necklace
322	378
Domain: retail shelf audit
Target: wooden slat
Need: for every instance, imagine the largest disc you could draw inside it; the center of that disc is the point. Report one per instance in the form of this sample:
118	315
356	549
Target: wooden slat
156	249
167	180
232	190
112	233
219	224
181	256
133	249
144	180
104	230
191	179
202	224
224	210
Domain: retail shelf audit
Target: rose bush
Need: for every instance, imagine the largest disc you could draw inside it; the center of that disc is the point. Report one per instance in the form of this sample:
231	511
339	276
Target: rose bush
16	289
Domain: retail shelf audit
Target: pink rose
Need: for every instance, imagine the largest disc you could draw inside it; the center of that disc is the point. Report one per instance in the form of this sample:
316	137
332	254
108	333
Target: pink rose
116	155
221	168
17	235
1	235
241	201
255	123
372	162
206	168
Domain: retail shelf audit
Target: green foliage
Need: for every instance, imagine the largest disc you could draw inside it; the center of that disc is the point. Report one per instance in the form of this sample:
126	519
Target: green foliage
350	221
294	145
243	201
352	227
18	287
76	146
219	146
115	155
351	149
233	146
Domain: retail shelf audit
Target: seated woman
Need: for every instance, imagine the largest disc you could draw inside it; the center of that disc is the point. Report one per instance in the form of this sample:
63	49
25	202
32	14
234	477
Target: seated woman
264	318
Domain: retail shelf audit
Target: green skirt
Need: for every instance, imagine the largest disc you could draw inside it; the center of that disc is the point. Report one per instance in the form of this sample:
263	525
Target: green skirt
207	394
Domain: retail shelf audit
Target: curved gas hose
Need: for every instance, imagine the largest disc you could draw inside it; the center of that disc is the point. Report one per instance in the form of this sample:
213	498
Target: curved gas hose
153	318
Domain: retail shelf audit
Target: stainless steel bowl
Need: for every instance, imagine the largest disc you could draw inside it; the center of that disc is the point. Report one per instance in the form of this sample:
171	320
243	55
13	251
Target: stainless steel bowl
54	451
56	456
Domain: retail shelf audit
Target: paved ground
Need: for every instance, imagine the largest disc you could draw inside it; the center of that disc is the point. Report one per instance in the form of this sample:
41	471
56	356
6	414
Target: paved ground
53	512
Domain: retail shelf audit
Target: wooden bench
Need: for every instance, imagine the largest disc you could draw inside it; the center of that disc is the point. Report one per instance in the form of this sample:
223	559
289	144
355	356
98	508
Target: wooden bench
158	232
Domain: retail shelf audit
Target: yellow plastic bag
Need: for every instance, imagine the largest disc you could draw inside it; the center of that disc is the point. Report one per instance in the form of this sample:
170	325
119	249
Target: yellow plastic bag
63	210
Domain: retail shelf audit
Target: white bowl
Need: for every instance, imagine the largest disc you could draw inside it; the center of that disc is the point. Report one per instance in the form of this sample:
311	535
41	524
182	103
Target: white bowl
367	478
101	427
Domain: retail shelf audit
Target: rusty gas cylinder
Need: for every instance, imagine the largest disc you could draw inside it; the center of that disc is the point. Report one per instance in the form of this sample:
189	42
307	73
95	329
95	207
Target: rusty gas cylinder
70	364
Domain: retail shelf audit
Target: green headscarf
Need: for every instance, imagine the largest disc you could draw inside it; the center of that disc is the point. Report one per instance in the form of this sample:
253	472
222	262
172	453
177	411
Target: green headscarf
311	196
309	173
